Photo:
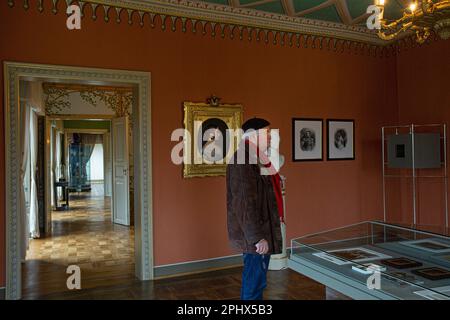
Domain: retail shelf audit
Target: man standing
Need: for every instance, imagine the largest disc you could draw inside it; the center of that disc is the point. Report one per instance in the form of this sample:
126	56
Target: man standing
254	207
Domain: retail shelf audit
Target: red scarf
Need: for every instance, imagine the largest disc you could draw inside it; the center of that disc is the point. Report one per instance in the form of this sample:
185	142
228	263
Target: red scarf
275	176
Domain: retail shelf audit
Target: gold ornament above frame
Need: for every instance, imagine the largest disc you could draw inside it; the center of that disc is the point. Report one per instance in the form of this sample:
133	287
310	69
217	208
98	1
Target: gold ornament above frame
202	122
117	99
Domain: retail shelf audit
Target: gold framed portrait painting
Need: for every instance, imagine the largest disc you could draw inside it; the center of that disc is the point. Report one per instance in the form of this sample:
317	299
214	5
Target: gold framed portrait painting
212	138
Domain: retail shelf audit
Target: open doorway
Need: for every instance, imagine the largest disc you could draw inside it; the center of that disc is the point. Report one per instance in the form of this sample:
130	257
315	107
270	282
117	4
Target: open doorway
15	73
87	222
81	186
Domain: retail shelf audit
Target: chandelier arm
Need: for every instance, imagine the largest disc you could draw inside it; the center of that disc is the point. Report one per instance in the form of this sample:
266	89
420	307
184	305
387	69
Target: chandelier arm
389	36
430	15
407	18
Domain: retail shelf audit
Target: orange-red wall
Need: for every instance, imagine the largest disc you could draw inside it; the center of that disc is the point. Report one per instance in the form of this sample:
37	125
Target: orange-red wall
423	75
273	82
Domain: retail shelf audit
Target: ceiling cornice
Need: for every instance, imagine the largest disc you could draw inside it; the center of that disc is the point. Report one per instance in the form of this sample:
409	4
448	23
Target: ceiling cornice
247	17
231	22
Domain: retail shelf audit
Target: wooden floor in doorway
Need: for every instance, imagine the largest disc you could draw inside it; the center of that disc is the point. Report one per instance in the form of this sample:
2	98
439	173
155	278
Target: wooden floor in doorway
85	236
82	236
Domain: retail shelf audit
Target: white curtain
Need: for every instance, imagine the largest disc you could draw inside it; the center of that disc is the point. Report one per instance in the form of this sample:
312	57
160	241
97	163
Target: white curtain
58	162
34	212
52	165
89	141
25	144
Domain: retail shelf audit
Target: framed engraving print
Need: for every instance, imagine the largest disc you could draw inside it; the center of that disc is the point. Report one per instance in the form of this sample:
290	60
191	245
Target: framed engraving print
341	139
211	143
307	139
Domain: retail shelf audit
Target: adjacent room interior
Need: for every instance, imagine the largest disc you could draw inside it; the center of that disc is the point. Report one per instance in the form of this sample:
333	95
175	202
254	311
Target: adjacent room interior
105	111
72	214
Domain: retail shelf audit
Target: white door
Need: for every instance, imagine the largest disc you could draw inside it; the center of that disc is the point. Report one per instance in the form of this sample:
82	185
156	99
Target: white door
107	165
121	194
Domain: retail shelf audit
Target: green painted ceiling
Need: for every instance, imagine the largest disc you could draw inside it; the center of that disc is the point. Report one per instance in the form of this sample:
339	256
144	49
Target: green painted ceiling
328	14
86	124
224	2
301	5
244	2
349	12
272	6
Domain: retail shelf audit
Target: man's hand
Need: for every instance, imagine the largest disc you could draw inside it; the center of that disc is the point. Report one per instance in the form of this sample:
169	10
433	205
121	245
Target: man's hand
262	247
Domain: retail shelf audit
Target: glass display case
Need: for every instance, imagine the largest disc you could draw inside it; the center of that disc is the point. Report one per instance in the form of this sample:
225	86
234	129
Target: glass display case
374	260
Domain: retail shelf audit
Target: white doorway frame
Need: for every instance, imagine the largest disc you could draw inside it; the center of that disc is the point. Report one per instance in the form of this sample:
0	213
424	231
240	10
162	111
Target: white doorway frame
140	81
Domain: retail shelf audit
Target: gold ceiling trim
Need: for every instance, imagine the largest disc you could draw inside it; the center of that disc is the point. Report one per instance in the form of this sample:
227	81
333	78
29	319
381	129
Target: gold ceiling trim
117	99
247	23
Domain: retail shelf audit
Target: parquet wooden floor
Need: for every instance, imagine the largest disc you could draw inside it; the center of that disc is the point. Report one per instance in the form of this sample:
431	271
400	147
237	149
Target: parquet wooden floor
85	236
214	285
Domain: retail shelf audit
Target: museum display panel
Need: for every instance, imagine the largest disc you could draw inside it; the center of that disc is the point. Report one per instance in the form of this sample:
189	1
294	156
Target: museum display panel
374	260
415	178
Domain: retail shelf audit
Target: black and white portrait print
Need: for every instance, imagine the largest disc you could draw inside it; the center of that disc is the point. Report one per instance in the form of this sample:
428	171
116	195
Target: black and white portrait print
306	139
341	139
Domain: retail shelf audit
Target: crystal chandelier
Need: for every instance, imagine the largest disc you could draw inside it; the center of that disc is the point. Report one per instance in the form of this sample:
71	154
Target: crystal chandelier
422	17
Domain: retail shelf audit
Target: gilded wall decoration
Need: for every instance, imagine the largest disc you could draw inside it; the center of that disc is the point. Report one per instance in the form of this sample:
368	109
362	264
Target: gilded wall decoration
117	99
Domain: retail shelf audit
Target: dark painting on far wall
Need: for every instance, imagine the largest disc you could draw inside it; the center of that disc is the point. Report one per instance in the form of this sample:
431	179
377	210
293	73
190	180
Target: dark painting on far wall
341	139
306	139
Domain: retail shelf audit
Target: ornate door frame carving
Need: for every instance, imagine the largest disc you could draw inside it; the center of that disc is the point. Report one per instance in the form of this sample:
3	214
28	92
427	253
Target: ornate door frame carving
140	81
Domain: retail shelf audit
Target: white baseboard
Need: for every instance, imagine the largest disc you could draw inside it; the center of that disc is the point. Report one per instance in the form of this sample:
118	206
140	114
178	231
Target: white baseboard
197	266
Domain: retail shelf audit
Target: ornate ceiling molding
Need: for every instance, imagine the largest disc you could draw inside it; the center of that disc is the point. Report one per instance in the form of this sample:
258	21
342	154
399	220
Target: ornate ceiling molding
230	21
246	17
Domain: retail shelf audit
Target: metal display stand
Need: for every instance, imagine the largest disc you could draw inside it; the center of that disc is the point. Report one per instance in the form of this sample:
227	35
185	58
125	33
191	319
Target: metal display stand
413	130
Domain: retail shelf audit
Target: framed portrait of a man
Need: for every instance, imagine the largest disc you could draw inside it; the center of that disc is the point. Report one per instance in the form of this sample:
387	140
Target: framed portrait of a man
213	137
341	139
307	139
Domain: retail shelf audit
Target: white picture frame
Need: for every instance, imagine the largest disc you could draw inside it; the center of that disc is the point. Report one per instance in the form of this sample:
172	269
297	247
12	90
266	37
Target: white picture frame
341	139
336	260
307	139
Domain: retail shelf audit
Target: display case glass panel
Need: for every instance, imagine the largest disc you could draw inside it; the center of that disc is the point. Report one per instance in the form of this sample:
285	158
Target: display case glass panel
386	261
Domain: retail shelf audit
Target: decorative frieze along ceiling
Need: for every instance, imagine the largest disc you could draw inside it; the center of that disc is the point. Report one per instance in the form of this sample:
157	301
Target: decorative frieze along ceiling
332	24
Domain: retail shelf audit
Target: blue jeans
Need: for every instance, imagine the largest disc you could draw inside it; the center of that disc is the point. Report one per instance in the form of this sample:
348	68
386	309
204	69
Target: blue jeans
254	276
